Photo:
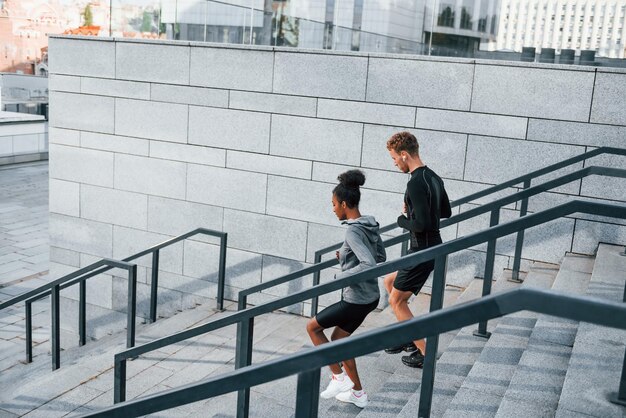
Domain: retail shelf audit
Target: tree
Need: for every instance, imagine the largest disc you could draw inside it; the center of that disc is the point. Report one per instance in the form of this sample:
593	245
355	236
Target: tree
146	24
88	16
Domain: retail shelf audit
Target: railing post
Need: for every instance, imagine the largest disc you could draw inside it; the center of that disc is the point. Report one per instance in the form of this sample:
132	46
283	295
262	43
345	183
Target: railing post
432	342
307	395
316	281
519	242
119	381
221	279
619	397
404	247
82	312
132	306
154	285
242	302
243	358
488	276
29	331
55	338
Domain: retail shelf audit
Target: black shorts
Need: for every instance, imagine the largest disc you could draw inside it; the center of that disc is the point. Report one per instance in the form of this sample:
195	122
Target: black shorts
412	280
347	316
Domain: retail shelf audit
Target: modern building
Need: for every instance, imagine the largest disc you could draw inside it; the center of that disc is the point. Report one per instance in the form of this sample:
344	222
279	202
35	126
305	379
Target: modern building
358	25
461	27
598	25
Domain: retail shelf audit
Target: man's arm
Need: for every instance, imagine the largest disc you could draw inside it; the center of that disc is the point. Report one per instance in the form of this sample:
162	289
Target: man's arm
421	210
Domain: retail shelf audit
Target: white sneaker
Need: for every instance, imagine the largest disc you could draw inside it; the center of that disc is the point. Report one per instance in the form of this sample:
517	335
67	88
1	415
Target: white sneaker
350	397
337	386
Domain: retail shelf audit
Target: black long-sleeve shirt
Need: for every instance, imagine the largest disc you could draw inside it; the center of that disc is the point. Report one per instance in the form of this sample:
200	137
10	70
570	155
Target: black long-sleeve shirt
426	200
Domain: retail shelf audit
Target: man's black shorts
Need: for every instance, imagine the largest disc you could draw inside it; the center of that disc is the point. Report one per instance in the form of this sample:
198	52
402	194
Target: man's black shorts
412	280
347	316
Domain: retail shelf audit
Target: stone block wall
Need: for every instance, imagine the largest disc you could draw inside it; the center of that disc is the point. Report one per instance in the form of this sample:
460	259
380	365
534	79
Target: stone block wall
153	139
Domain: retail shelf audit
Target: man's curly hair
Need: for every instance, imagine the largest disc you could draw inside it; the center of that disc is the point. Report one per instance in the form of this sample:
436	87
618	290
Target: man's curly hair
403	141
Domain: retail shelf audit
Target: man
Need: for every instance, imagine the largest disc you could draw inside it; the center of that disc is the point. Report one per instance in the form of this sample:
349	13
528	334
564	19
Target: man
425	203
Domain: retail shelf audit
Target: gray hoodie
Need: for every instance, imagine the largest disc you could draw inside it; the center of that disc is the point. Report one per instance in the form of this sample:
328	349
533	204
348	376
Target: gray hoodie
362	249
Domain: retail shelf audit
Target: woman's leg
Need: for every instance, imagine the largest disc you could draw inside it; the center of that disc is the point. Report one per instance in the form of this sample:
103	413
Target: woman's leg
348	365
316	332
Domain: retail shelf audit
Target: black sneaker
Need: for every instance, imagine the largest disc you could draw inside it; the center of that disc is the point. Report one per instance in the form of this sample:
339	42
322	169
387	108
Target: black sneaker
416	359
408	347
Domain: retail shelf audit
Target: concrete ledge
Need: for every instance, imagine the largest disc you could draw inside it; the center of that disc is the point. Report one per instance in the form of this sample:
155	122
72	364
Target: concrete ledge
25	158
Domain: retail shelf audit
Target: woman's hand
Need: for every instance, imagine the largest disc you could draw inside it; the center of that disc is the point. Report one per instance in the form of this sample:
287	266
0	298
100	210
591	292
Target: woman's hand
337	254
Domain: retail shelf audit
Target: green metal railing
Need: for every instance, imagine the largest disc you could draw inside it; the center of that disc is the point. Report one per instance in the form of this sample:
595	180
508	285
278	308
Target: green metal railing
492	207
307	363
81	276
525	180
245	328
245	318
54	287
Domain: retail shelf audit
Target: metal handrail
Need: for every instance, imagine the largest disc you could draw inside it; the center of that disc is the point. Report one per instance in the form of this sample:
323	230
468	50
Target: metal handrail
245	318
80	276
488	207
524	179
54	287
307	363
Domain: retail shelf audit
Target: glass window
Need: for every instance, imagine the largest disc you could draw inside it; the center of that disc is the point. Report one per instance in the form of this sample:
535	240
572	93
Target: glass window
446	15
466	19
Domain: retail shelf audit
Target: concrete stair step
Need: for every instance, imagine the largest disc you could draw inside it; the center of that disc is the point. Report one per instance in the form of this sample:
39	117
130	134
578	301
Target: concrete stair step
388	382
536	386
598	353
393	396
209	355
476	386
485	384
403	382
83	369
272	399
457	352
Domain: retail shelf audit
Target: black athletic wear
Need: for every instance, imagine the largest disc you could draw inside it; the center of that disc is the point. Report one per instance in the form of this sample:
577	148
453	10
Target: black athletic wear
415	359
408	347
413	279
345	315
427	202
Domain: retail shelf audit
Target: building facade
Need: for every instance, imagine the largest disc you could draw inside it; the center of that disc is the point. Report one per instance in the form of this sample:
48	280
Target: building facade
402	26
598	25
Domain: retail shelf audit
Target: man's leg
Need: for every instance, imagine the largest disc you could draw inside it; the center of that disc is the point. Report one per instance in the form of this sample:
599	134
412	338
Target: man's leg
388	281
398	299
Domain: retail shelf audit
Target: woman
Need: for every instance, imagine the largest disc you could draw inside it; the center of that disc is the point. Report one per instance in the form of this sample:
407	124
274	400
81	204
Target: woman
361	250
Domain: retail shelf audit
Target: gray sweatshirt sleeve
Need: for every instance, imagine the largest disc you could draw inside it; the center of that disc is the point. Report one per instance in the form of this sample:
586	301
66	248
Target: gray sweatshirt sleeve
355	240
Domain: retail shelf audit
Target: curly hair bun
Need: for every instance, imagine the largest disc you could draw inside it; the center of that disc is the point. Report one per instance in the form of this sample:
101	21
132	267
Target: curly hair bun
352	178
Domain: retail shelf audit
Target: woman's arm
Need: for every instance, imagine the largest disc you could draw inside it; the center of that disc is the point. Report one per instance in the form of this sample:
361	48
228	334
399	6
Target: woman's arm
355	240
